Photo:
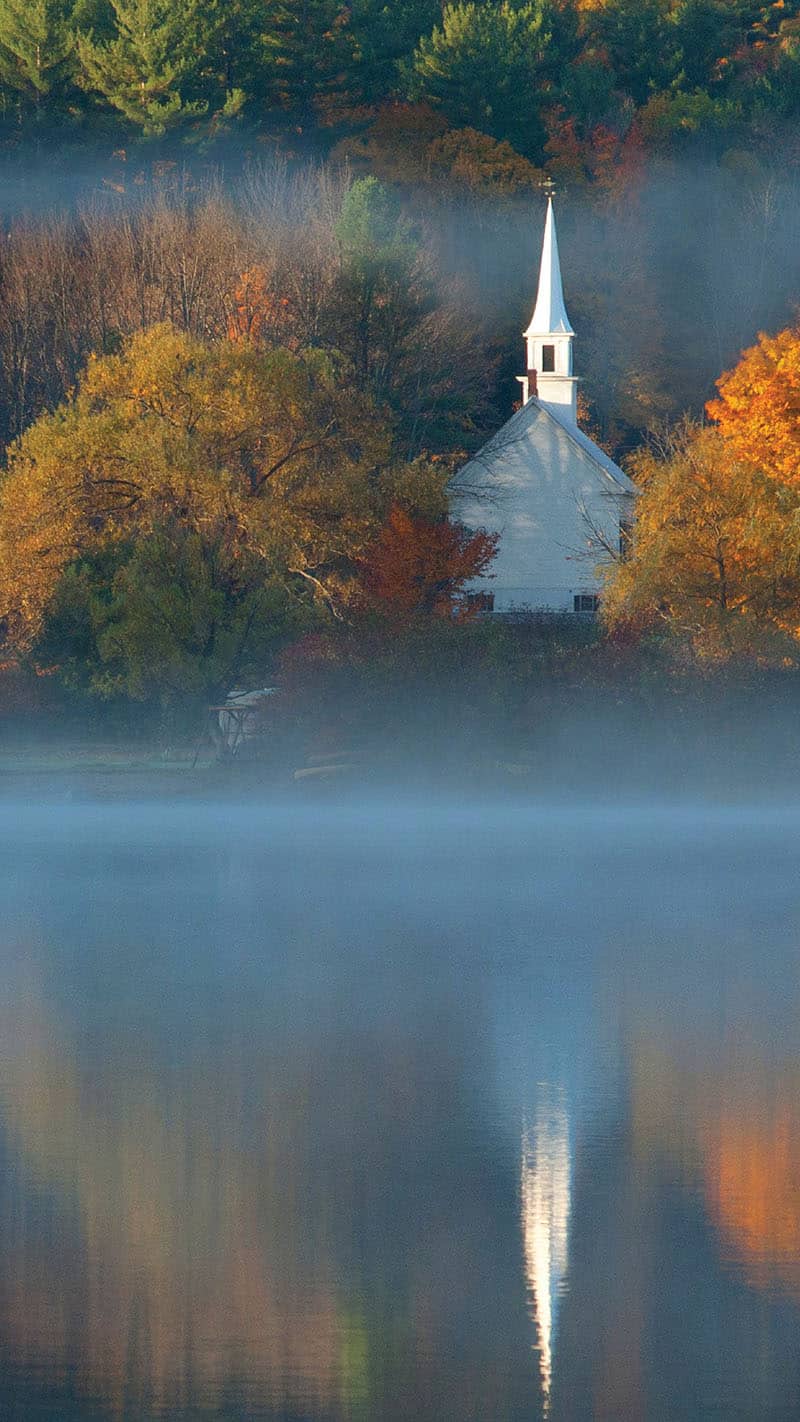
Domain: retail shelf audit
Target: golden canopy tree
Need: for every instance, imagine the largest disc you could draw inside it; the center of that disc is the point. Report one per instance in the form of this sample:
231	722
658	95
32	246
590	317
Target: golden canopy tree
238	470
715	551
272	443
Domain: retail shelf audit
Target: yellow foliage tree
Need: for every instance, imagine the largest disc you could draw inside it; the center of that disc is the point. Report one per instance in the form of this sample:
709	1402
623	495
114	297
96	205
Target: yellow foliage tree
274	447
715	551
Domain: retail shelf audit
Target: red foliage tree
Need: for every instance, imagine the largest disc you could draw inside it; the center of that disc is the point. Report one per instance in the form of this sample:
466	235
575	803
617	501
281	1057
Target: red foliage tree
258	314
415	566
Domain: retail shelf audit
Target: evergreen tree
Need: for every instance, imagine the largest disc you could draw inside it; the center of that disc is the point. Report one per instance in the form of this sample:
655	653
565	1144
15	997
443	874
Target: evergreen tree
36	53
380	295
386	33
310	50
635	37
702	32
496	67
157	71
236	52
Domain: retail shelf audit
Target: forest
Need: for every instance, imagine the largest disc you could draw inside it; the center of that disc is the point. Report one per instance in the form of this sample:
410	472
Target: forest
576	86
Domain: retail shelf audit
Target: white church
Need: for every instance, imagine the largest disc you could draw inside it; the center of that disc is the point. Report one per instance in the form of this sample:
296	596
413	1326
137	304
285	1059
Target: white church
559	504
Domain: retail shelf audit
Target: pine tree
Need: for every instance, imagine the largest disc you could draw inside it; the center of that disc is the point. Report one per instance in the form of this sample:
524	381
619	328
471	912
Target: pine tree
36	52
157	71
310	51
636	39
387	32
496	67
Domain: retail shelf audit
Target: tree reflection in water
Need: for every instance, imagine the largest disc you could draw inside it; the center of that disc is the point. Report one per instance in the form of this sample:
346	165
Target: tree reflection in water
260	1114
310	1232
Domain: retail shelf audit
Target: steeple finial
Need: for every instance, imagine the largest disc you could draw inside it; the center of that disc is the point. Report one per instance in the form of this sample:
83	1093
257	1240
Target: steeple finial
550	314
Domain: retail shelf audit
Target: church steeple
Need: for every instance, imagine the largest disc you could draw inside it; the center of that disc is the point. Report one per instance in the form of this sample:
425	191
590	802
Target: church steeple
549	336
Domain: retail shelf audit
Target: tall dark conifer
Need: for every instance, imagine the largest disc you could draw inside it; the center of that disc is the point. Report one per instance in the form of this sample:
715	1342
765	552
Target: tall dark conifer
310	52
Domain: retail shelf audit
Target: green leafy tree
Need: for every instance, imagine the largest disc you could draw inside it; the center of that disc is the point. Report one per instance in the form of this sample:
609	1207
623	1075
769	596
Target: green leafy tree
178	617
676	119
496	67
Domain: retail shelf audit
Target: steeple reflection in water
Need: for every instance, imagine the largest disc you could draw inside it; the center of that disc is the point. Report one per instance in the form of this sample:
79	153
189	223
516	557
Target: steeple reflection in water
545	1196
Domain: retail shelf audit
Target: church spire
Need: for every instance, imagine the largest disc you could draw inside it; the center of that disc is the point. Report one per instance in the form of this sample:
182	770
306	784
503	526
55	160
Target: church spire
550	314
549	336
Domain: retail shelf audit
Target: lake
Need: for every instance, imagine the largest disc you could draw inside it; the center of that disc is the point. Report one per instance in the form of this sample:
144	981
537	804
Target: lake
430	1111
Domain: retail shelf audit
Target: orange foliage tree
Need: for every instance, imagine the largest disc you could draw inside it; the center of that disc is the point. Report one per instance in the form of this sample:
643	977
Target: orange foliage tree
259	314
419	566
758	408
716	550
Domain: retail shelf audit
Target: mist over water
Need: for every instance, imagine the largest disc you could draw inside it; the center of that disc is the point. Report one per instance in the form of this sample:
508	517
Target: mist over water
414	1107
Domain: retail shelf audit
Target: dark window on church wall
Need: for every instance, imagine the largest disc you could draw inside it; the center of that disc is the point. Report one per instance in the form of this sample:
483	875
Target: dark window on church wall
548	359
585	602
480	602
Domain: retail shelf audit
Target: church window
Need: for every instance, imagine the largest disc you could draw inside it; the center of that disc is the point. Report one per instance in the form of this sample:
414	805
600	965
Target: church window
585	602
548	359
480	602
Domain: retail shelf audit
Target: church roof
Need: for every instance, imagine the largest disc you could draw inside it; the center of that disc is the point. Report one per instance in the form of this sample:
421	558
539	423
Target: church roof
550	314
522	426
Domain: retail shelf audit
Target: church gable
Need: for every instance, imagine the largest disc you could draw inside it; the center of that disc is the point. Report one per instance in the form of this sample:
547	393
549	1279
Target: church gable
536	442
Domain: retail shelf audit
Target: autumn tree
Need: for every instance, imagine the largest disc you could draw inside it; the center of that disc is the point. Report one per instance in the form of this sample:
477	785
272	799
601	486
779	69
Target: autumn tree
265	466
260	314
467	161
758	406
416	565
715	549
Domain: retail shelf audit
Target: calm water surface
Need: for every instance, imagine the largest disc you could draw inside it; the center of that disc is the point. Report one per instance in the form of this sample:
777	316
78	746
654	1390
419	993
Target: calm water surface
427	1113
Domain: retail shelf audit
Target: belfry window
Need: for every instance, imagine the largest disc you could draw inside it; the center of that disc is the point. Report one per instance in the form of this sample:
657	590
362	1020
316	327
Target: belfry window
548	360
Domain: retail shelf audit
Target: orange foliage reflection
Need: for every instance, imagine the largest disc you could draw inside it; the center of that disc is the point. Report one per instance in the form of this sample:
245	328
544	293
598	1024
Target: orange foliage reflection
735	1125
751	1165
